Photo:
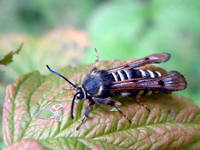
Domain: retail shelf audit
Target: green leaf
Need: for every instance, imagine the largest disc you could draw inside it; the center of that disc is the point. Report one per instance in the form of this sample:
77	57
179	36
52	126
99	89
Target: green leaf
8	58
37	111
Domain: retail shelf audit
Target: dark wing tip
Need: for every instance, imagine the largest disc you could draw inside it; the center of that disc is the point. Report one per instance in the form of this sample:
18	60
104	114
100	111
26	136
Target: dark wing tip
180	78
164	56
167	57
159	57
175	81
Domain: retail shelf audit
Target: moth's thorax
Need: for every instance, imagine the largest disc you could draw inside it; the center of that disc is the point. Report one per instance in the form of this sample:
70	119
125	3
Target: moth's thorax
96	83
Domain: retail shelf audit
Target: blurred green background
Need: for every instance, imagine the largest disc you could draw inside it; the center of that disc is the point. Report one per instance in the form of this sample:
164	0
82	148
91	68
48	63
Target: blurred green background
65	32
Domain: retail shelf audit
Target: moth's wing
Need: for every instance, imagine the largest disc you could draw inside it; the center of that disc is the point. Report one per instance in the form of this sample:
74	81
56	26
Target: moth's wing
155	58
172	81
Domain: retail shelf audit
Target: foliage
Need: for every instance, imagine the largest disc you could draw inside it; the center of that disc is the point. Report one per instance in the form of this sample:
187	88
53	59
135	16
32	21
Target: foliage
36	114
8	58
38	16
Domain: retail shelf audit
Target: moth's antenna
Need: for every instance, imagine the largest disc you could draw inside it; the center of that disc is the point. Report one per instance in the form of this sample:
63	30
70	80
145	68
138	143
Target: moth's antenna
56	73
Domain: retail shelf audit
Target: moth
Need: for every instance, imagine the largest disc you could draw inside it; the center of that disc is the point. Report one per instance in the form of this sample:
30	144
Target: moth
100	86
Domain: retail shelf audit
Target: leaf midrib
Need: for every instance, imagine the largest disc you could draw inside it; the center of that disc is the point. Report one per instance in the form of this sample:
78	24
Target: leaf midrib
126	129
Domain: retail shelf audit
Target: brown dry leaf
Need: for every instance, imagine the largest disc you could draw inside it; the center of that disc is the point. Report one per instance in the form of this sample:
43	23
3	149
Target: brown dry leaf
8	58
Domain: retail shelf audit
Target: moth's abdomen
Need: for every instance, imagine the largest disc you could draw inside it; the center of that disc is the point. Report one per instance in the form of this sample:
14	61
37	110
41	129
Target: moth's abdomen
128	74
149	74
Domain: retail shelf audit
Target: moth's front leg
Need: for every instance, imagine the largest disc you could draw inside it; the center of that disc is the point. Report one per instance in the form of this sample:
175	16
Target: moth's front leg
86	113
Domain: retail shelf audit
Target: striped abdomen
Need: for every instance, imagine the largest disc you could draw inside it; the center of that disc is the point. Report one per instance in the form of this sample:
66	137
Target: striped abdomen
128	74
131	73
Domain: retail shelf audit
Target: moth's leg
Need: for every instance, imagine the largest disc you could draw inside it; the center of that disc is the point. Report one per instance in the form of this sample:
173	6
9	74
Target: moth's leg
111	103
86	114
141	104
97	56
95	68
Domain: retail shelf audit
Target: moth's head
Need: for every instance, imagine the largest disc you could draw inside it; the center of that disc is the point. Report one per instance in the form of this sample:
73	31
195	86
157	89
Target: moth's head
81	94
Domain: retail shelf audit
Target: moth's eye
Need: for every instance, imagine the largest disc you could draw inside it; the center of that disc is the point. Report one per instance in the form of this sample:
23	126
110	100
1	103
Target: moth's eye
78	95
